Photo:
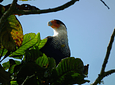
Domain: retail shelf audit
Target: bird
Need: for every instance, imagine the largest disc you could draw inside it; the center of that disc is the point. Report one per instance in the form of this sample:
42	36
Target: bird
57	46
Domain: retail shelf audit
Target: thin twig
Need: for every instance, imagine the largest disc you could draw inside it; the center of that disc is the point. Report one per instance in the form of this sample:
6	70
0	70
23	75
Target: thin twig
28	78
108	52
103	73
101	76
109	72
105	4
62	7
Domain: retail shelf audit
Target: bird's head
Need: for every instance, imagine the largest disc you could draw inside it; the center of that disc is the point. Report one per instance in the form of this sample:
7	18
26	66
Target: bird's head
58	27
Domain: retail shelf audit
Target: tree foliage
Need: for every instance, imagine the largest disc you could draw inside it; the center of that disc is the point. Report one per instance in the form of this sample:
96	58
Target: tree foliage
33	67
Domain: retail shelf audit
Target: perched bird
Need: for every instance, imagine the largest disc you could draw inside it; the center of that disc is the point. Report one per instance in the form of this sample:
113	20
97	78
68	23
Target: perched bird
57	45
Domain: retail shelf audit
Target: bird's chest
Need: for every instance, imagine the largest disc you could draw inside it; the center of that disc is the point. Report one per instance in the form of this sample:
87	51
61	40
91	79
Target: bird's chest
59	43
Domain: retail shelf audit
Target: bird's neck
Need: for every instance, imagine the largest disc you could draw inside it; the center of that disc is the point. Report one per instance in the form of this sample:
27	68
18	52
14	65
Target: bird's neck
60	33
55	33
61	37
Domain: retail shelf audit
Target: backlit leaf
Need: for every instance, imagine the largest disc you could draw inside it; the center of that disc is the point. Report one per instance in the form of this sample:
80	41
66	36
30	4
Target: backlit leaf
42	61
70	64
6	65
42	43
29	41
69	71
28	37
52	63
3	52
11	34
13	83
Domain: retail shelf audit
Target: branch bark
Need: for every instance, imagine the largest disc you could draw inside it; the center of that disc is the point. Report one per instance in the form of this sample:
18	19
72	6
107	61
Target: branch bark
108	52
103	73
62	7
105	4
109	72
12	10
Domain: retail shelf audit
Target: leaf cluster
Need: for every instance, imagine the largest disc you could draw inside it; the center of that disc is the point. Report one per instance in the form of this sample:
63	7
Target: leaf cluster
11	33
38	69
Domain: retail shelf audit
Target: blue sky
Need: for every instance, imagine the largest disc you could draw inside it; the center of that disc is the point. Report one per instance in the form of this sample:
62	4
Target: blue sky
89	24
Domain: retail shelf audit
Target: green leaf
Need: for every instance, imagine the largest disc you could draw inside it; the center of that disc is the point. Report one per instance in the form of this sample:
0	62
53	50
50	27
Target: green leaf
3	52
28	37
42	43
52	63
12	69
11	34
31	41
17	62
31	72
70	64
13	83
6	65
17	56
75	75
13	63
39	40
68	71
42	61
32	54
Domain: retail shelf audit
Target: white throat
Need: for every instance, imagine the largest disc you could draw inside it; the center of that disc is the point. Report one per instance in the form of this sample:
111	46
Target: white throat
55	33
60	32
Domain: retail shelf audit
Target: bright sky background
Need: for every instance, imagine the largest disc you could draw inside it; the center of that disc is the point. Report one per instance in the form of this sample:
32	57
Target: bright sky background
89	24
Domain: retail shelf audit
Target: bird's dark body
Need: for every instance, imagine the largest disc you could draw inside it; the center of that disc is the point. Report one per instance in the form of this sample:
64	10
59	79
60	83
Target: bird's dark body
57	45
54	49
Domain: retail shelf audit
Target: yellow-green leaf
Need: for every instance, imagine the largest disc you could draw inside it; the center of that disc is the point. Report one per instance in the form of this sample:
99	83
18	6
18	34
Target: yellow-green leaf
11	35
42	43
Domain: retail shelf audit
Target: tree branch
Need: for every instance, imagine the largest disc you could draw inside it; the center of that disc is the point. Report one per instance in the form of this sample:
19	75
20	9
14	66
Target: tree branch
103	73
4	17
105	4
109	72
108	52
32	10
27	78
64	6
101	76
